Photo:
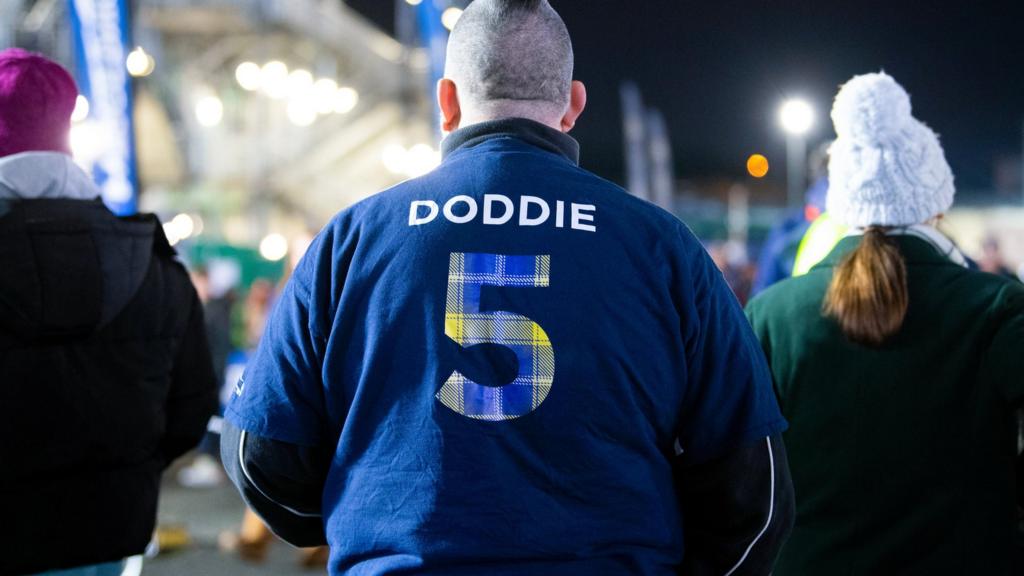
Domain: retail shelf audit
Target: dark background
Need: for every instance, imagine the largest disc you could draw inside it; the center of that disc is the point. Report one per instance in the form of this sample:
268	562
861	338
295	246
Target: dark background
718	71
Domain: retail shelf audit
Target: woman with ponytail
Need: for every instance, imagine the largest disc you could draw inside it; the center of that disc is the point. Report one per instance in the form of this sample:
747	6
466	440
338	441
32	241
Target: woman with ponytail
898	368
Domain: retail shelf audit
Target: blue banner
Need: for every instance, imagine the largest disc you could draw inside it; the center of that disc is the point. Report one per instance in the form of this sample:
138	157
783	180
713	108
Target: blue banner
434	36
101	39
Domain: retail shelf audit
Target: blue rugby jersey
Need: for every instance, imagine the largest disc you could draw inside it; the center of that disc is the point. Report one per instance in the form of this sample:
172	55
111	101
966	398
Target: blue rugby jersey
505	355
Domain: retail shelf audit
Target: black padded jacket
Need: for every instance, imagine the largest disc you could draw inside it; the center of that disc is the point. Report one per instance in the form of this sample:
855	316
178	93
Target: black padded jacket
105	378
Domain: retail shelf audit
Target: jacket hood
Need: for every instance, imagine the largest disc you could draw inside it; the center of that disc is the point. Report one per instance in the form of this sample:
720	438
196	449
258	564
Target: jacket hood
70	266
35	175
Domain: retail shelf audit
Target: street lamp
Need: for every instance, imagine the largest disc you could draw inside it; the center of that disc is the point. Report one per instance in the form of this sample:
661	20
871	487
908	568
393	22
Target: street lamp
797	118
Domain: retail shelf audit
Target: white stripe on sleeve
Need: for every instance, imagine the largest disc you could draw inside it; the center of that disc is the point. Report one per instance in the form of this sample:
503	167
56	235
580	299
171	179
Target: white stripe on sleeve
771	510
245	470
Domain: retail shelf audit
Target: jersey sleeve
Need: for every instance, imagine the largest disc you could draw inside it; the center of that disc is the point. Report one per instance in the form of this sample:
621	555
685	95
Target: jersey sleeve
280	395
729	400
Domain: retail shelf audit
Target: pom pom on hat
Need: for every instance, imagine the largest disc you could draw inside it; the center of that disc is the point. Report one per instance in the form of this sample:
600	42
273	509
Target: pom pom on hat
871	108
886	168
37	97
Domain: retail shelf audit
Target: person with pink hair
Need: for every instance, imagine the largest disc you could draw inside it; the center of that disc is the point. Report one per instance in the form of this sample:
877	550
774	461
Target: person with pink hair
105	375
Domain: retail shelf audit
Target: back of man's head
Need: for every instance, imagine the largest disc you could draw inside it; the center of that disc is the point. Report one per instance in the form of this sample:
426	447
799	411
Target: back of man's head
512	58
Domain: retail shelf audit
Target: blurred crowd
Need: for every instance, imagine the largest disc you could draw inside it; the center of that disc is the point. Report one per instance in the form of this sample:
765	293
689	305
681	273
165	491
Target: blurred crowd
748	277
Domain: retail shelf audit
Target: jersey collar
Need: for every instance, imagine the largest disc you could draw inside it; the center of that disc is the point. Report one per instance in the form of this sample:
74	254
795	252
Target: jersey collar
533	133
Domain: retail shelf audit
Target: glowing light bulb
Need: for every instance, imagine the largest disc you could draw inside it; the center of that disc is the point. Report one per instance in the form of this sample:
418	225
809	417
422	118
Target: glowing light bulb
324	92
345	100
450	17
302	111
299	82
796	117
209	111
249	75
274	247
274	79
139	63
757	166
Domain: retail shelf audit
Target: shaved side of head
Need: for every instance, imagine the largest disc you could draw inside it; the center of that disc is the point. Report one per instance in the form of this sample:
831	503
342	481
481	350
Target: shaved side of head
512	58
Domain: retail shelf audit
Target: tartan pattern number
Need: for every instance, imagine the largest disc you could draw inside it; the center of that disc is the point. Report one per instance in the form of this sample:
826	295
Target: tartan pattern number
465	324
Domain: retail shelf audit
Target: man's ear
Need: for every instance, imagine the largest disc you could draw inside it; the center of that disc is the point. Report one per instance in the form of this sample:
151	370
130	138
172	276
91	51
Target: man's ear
451	109
577	102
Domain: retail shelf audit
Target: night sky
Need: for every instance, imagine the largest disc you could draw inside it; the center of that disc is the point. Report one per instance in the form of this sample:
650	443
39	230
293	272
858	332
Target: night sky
718	71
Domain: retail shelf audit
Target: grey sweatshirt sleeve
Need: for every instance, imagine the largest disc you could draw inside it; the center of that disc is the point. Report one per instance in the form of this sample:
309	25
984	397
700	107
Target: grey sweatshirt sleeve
737	510
281	482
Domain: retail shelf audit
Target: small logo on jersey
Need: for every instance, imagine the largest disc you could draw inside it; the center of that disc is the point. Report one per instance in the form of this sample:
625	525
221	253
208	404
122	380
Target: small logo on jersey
239	386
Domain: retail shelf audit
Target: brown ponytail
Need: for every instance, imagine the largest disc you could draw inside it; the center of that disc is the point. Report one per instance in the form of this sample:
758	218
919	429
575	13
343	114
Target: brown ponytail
868	294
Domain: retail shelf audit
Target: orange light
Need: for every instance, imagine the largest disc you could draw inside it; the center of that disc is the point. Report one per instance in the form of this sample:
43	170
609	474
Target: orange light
757	166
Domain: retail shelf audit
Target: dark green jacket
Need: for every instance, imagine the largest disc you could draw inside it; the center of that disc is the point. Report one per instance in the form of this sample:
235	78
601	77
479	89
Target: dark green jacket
903	456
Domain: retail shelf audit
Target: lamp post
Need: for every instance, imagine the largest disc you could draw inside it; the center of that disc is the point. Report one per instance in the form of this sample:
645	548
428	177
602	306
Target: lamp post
796	117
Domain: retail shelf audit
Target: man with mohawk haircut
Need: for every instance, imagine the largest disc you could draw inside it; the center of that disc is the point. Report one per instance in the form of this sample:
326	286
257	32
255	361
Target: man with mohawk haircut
509	365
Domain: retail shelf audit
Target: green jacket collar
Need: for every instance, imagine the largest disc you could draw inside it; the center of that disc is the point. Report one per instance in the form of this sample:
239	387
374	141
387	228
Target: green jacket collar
914	250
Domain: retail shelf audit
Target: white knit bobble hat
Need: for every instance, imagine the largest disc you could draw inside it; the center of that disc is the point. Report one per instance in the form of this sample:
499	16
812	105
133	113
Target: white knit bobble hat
886	168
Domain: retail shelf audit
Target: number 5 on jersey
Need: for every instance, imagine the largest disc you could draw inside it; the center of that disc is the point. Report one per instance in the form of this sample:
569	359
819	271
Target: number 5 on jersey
467	325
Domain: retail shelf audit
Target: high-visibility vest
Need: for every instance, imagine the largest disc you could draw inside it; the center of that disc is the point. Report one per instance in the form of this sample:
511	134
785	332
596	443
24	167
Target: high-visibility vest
823	235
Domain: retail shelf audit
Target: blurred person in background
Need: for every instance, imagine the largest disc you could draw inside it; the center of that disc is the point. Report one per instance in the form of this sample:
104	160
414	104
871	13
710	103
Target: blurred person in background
105	376
992	260
218	306
428	404
730	257
781	250
256	308
897	366
218	299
